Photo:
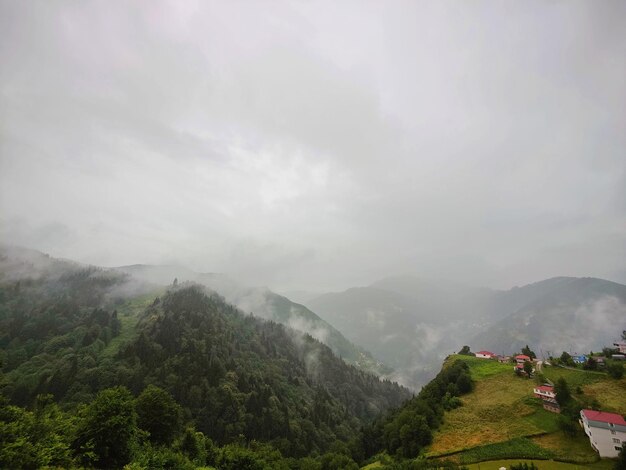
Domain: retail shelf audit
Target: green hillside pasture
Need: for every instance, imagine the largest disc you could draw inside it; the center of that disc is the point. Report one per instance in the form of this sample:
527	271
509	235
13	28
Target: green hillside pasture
607	391
502	419
128	314
573	449
499	409
574	378
518	448
482	368
610	393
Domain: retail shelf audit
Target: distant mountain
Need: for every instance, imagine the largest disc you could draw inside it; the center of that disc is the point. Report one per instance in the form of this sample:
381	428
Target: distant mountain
266	304
406	322
300	296
560	314
412	323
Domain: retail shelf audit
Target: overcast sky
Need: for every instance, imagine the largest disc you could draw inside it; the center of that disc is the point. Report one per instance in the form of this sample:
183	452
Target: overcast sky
318	145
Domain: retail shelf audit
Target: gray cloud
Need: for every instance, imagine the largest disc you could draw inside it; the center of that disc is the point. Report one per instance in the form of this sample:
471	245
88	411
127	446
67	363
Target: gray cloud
318	145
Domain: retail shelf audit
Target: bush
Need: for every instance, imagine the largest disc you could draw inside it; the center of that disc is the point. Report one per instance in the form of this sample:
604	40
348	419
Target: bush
163	458
523	466
615	369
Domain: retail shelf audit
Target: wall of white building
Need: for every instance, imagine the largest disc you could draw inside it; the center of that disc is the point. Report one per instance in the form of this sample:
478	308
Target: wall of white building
607	441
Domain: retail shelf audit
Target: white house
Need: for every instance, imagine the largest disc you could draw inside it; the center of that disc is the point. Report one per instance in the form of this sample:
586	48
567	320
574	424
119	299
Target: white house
485	355
606	431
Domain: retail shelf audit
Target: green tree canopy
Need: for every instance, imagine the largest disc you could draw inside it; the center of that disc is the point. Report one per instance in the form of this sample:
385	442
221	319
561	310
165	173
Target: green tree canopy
108	429
528	367
615	369
159	414
563	394
527	351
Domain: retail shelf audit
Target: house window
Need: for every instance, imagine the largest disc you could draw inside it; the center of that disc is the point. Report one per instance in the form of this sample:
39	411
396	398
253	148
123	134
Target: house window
617	448
616	441
613	432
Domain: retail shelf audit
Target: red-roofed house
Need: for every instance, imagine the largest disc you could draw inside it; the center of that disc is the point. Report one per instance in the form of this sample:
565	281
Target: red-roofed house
606	431
548	397
545	391
520	359
485	354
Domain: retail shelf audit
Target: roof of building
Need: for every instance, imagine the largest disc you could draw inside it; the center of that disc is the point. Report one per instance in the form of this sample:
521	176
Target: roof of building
486	353
522	357
604	417
545	388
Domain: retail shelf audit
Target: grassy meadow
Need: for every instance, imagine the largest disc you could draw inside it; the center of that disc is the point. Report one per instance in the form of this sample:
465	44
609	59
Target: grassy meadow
128	314
501	419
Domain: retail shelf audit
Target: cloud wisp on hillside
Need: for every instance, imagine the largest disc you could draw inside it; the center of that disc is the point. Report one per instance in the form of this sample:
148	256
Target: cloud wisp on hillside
318	145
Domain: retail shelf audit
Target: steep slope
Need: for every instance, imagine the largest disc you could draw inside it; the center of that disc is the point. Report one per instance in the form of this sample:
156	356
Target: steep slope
242	375
266	304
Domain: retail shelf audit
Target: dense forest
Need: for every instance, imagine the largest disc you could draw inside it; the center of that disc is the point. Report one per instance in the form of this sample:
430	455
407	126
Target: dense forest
223	383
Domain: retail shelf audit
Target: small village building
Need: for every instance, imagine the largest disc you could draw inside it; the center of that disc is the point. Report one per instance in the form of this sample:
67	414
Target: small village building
520	359
618	357
621	345
580	359
545	392
551	406
485	355
504	359
606	431
599	361
547	396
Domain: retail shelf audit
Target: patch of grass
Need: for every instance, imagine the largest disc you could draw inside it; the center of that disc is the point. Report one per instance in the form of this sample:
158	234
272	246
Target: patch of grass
572	449
481	368
610	394
377	464
128	314
574	378
542	419
518	448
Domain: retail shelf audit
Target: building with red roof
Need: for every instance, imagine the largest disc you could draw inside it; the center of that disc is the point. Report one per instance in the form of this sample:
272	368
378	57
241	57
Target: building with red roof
606	431
548	397
545	391
485	355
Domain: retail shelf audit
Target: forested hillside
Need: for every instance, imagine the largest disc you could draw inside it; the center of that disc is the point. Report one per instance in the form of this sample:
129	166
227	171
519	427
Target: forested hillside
239	375
264	303
68	333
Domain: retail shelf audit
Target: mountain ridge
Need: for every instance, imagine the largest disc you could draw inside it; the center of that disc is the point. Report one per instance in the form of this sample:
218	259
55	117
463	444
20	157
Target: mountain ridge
413	324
